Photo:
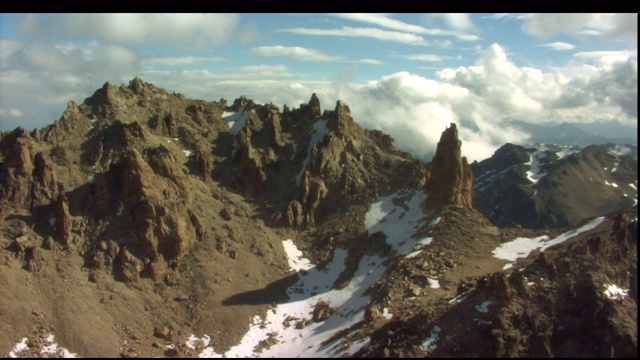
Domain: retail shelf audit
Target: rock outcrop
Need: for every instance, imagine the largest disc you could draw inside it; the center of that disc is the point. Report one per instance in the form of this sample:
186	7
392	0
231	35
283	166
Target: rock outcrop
253	180
450	180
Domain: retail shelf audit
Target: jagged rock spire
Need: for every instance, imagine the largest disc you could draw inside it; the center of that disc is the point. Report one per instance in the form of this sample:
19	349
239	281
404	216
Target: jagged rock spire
451	179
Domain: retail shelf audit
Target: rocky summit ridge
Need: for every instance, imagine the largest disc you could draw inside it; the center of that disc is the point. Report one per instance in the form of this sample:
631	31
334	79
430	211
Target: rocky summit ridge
142	216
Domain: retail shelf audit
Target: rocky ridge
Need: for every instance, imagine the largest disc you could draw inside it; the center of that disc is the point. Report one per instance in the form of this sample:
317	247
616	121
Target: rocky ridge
158	216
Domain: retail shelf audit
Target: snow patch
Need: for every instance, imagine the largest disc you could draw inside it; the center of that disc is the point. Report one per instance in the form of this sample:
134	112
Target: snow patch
535	173
433	283
193	341
425	241
120	208
295	257
395	221
615	293
18	348
187	153
315	284
521	247
610	184
413	254
429	343
52	221
484	307
53	349
458	299
236	120
615	167
387	315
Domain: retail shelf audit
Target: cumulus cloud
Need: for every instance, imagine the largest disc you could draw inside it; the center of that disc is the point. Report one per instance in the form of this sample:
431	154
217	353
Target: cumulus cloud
36	75
618	87
374	33
415	110
483	98
295	52
480	98
201	31
606	59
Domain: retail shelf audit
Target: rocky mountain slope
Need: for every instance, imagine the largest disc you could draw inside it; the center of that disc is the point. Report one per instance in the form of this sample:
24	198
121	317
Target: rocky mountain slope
144	223
553	186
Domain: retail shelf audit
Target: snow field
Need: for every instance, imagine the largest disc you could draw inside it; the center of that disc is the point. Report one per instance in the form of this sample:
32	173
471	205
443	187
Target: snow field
315	284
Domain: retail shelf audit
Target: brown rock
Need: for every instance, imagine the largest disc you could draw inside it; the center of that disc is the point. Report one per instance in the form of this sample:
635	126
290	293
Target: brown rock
253	179
451	179
322	311
44	188
162	332
63	218
313	192
158	268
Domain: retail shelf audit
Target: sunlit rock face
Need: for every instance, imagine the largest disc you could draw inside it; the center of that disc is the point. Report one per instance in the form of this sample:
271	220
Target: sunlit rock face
450	179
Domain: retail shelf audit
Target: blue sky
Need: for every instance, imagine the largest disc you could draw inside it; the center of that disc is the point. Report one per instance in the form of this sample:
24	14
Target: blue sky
409	75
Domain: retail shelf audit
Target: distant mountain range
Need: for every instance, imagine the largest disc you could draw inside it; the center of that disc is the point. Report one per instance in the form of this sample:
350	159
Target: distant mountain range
551	186
598	132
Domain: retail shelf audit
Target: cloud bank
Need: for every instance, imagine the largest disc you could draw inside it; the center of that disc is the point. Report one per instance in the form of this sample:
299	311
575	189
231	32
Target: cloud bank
195	31
412	108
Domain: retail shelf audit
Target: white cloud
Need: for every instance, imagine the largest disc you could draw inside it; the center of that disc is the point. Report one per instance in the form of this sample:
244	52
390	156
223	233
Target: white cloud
201	31
389	23
423	57
40	78
261	70
295	52
606	25
457	21
505	16
14	113
370	61
181	60
378	34
559	46
7	48
411	108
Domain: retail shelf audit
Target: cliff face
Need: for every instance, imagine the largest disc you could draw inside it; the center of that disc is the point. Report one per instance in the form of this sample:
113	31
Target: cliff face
450	180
